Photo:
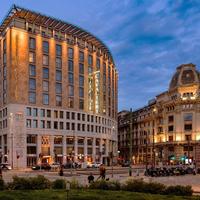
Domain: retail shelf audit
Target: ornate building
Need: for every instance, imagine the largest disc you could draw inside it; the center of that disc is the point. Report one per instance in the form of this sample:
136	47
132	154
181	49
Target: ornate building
58	91
168	129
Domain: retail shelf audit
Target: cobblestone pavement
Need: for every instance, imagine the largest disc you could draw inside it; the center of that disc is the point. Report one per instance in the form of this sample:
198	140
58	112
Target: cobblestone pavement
120	174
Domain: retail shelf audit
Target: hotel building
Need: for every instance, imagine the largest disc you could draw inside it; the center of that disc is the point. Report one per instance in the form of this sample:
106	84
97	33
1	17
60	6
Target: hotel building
167	130
58	92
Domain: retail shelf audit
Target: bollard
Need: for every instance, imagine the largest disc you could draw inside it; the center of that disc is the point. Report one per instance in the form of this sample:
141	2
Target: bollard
130	171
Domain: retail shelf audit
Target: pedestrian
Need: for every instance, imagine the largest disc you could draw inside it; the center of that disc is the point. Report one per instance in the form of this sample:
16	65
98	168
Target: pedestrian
61	171
130	170
90	178
1	173
102	171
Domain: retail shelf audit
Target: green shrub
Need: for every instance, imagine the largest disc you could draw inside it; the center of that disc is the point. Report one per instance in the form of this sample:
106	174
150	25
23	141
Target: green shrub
99	184
114	185
134	185
2	184
154	188
179	190
20	183
5	197
40	183
34	183
9	186
59	184
74	184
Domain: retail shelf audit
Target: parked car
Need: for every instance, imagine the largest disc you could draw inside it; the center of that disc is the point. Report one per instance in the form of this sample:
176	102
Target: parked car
72	165
44	166
55	165
126	164
93	165
5	166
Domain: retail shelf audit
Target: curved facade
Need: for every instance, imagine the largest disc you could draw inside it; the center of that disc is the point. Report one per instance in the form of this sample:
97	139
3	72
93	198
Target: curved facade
59	86
167	130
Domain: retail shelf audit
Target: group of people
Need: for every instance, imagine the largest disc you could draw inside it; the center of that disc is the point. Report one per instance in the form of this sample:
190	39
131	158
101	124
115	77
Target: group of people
102	171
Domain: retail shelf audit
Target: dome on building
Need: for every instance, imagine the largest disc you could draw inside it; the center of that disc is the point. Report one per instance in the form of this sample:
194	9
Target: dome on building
185	74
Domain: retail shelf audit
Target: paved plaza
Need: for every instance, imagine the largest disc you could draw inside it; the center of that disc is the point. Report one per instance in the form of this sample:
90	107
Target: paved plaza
117	173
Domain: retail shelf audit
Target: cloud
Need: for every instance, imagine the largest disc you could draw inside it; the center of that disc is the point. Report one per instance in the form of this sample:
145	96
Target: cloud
148	39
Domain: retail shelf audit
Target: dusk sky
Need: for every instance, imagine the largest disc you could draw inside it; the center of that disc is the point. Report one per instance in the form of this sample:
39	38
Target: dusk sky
148	38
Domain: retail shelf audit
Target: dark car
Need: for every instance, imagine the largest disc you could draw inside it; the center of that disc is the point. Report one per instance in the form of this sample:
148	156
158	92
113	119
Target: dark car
44	166
5	166
72	165
126	164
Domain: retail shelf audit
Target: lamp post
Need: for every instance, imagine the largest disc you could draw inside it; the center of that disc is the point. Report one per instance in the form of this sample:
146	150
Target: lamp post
131	142
146	151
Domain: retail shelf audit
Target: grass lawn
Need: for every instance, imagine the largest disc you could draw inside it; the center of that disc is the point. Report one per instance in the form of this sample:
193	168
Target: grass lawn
83	195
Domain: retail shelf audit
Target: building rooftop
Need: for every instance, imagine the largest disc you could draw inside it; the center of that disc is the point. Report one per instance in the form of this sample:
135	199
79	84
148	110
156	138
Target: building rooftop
52	24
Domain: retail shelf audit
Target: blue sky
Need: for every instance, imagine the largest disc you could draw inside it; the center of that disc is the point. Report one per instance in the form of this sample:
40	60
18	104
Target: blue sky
148	38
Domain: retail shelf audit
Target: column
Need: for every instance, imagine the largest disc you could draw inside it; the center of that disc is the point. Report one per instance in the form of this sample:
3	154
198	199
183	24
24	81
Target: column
64	149
51	137
107	148
75	148
39	149
94	150
85	149
101	149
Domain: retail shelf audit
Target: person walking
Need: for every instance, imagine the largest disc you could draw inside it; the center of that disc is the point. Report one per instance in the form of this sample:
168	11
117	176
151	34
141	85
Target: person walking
90	178
102	171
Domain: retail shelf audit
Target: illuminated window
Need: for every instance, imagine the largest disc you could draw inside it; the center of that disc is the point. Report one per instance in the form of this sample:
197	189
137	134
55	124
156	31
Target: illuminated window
45	60
31	57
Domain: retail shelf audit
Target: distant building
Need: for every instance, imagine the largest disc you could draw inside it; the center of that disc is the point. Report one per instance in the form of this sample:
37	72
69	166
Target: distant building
167	130
58	90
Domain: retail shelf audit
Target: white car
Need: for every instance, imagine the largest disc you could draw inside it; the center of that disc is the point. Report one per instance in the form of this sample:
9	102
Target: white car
97	165
93	165
55	165
5	166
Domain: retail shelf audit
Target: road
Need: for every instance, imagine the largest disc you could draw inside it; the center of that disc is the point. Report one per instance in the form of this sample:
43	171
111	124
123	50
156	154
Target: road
118	173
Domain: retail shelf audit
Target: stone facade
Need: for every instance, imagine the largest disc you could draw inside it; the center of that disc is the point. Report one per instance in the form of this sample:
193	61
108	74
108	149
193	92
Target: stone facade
58	92
167	130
